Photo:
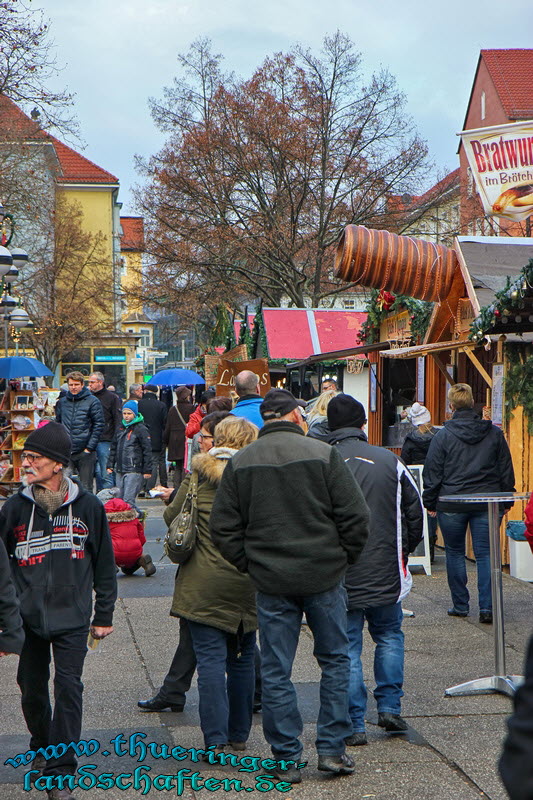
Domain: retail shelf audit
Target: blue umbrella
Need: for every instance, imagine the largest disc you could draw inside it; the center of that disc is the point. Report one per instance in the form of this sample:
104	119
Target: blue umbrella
22	367
175	377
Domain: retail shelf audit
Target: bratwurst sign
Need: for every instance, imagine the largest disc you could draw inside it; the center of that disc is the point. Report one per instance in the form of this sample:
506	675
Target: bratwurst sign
501	160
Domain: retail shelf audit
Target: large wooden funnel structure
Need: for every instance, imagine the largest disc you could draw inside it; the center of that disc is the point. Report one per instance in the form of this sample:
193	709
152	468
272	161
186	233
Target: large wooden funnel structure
399	264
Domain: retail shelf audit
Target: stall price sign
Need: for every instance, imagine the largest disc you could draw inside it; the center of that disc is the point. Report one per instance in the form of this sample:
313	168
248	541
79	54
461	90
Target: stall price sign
227	370
501	160
497	395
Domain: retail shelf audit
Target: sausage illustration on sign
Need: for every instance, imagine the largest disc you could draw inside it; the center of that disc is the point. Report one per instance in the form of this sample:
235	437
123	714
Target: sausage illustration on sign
517	197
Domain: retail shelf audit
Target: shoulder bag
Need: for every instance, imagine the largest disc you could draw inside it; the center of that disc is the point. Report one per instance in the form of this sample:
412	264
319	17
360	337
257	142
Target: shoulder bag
180	539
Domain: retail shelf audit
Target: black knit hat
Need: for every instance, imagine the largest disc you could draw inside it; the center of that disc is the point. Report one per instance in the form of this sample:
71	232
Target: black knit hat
51	440
345	411
277	403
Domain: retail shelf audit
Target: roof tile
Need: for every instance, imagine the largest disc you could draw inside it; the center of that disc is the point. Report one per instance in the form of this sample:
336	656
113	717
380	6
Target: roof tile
512	74
73	167
132	233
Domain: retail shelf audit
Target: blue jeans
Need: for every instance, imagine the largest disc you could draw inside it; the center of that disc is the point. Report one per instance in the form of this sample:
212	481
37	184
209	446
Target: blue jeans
453	527
129	485
280	618
225	703
385	628
104	480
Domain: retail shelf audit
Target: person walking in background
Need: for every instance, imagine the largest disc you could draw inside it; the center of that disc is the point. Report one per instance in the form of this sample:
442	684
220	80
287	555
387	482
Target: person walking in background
112	408
380	579
178	679
130	455
136	392
82	415
218	602
154	413
467	455
317	418
195	420
249	399
414	451
174	434
290	514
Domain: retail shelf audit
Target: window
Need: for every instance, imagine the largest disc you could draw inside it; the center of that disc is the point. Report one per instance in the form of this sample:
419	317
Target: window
144	337
348	305
482	105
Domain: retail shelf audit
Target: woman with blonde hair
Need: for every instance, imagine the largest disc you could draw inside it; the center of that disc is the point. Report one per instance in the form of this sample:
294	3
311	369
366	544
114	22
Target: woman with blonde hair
218	603
317	419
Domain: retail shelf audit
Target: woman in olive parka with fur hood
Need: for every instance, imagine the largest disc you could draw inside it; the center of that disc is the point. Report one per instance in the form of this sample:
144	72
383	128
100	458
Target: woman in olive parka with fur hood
218	602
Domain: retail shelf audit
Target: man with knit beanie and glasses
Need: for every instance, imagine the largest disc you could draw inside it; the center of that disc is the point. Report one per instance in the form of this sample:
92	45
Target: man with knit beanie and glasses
58	542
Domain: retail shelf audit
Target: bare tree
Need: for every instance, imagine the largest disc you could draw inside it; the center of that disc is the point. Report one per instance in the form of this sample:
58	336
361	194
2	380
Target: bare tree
258	177
28	62
66	288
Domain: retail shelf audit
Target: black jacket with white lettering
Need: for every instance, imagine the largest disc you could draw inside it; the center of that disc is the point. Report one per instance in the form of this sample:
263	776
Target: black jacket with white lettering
381	577
58	559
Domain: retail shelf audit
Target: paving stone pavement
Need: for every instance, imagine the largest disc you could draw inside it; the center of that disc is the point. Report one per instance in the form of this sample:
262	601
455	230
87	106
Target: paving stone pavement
449	753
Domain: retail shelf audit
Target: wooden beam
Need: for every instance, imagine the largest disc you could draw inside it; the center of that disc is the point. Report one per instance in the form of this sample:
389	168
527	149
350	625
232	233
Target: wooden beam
479	366
442	368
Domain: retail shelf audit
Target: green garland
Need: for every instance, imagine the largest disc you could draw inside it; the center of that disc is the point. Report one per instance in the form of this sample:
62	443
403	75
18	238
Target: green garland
508	302
518	382
419	310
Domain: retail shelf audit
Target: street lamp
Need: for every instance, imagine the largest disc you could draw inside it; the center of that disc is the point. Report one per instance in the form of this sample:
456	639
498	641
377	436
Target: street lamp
7	304
19	318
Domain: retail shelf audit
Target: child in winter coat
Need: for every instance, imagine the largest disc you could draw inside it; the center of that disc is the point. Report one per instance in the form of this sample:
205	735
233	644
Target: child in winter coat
130	455
127	535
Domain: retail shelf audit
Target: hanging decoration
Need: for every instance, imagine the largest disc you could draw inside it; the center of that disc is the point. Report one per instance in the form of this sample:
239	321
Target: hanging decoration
382	303
511	306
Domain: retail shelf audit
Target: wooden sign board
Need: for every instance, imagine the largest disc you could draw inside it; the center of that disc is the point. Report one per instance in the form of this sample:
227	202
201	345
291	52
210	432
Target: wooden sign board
397	328
212	362
227	370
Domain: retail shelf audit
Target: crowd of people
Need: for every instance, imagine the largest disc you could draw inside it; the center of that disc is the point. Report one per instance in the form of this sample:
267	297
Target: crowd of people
297	515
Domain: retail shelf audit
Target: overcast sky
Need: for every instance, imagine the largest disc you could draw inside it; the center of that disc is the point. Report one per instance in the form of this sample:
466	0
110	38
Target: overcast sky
120	52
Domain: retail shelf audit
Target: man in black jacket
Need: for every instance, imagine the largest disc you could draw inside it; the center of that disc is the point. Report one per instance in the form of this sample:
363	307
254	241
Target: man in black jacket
155	418
468	455
112	408
380	579
82	416
57	538
289	513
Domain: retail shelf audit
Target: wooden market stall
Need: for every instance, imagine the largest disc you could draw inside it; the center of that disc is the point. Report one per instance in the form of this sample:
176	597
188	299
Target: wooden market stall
480	332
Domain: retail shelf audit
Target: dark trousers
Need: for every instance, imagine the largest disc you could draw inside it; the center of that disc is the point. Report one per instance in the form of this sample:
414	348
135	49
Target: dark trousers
64	723
225	682
159	464
280	618
180	674
177	475
83	464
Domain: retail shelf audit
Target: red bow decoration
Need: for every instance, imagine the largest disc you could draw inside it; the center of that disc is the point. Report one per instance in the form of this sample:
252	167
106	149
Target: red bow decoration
385	300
